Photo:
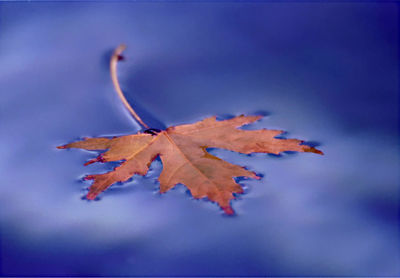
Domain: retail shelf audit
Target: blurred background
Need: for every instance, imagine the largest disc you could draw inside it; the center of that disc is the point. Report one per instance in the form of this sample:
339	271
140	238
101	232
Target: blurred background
326	73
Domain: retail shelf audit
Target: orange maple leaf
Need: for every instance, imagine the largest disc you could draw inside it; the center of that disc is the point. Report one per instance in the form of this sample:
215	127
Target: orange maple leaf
184	155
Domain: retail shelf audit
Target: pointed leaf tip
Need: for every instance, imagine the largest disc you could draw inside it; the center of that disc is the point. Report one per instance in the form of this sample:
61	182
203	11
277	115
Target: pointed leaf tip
89	177
228	210
313	150
94	160
91	196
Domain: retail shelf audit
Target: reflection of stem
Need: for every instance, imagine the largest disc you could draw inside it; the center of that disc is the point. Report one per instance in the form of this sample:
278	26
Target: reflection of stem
113	70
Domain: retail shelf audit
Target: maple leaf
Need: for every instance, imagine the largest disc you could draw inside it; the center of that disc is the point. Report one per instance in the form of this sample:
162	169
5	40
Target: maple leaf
183	153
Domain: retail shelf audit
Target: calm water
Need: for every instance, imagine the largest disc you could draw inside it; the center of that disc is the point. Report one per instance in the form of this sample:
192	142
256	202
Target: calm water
326	73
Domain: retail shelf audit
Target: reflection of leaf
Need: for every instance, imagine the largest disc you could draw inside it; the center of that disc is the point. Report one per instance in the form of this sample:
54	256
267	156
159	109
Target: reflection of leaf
185	160
183	152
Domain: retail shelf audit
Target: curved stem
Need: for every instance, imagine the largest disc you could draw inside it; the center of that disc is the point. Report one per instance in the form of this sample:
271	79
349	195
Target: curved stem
113	70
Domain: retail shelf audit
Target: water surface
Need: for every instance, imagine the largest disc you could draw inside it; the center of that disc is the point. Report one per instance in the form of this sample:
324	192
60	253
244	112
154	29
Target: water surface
326	73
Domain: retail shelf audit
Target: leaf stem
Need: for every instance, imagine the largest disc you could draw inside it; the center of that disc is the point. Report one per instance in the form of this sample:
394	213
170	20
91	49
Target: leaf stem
113	70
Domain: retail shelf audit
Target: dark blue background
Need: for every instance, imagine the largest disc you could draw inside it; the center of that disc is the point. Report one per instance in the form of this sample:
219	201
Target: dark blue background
324	72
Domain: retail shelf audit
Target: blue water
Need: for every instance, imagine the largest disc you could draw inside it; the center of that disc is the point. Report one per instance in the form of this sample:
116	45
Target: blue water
323	72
